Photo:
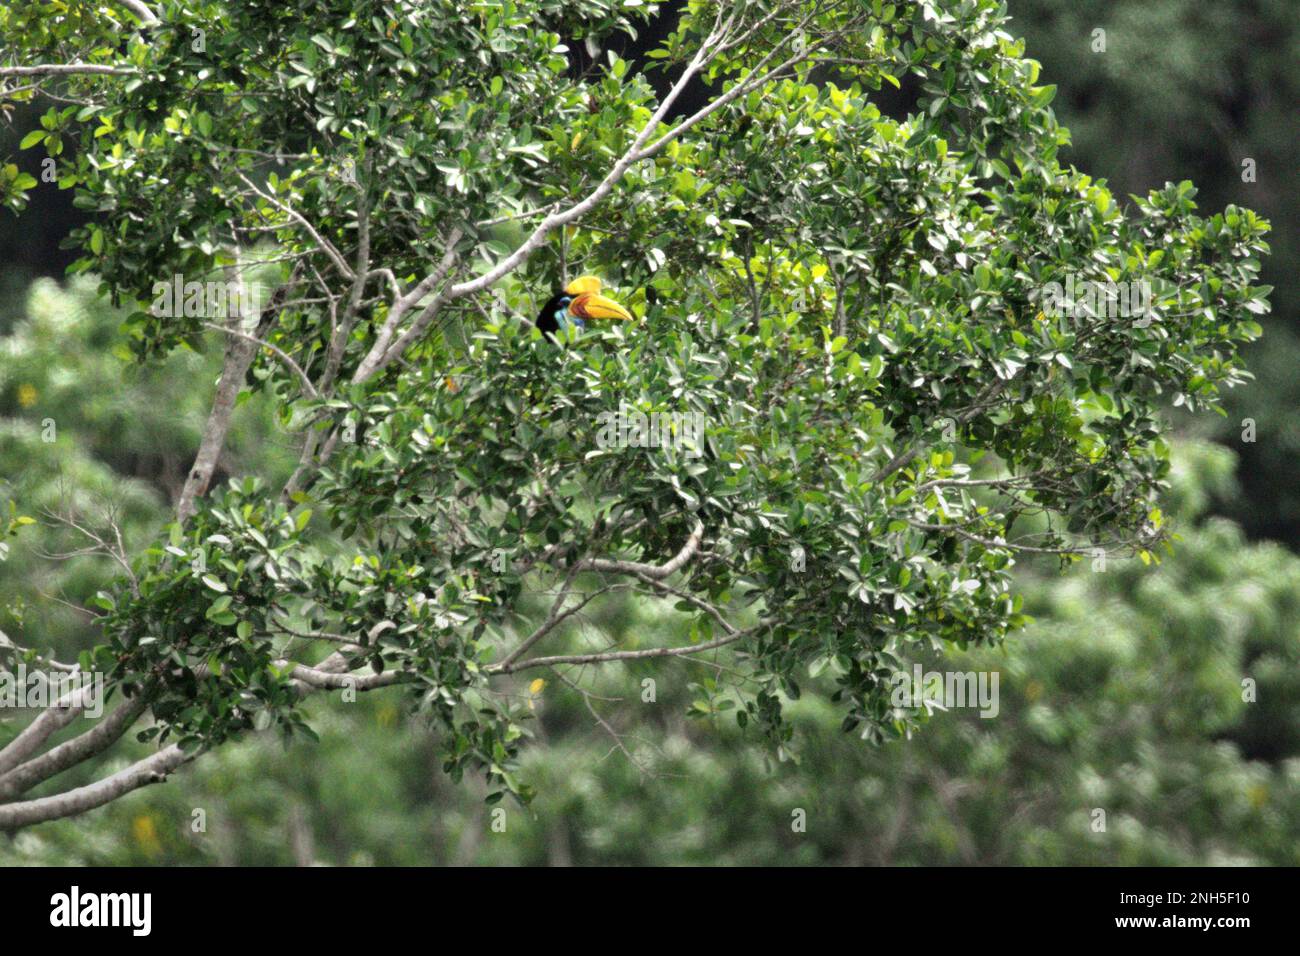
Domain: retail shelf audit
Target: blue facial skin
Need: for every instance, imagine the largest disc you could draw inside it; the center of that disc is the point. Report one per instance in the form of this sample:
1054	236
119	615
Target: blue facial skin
563	319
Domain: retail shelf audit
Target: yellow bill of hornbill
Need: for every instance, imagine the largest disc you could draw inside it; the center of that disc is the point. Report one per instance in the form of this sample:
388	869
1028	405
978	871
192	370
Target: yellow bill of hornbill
573	305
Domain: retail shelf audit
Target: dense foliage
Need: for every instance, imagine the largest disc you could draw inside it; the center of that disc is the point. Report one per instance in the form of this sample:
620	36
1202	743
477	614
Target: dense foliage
1123	694
858	306
1207	90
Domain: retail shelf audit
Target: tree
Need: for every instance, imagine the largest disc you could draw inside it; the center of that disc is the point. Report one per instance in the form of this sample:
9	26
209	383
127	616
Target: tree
900	337
1206	91
1125	694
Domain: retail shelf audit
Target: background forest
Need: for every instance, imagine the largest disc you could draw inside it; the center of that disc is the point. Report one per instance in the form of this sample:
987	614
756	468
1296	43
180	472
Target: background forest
1125	693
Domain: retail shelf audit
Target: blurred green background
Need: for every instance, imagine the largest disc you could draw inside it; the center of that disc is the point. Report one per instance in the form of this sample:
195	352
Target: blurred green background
1125	695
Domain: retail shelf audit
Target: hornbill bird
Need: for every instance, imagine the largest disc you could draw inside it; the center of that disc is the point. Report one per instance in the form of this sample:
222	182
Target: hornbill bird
574	304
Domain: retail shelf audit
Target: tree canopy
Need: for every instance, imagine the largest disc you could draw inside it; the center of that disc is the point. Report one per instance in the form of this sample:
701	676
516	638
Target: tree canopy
863	310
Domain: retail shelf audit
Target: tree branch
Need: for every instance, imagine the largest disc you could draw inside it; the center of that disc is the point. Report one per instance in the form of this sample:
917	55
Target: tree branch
141	11
308	388
51	720
152	769
239	356
68	754
324	244
606	656
655	572
66	69
380	353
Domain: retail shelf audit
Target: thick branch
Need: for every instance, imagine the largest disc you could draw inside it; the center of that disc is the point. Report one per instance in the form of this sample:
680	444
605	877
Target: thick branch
68	754
328	680
240	351
381	354
655	572
51	720
66	69
152	769
239	356
141	11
